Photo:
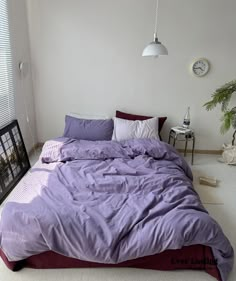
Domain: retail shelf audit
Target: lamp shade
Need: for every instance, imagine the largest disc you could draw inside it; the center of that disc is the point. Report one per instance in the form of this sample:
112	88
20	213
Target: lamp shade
155	49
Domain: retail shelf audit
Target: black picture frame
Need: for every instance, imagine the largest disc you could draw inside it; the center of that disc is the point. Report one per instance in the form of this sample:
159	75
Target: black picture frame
14	160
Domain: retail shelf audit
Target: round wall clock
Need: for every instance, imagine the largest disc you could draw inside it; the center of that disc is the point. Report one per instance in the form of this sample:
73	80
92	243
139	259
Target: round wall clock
200	67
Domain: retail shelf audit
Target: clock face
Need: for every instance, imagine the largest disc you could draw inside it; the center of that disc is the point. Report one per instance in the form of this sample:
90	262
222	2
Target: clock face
200	67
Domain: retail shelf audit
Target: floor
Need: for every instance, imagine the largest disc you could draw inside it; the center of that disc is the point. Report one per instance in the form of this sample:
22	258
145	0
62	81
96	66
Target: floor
219	201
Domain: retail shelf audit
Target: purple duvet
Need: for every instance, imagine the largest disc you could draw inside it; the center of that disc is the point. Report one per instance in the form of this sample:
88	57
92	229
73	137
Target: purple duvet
109	202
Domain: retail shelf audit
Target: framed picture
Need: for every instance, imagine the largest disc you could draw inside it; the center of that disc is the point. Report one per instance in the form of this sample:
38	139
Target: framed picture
14	161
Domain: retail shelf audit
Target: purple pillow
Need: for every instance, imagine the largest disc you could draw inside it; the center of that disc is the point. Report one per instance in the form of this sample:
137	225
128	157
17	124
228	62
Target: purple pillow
88	129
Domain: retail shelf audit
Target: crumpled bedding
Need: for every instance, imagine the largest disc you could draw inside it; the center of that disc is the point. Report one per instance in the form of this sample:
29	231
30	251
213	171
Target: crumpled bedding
109	202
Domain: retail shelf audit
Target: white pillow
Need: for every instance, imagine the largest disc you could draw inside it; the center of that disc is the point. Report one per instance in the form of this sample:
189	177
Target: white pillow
127	129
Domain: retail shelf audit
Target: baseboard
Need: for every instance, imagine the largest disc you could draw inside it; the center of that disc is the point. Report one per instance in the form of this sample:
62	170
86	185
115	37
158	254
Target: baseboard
202	151
34	148
40	144
197	151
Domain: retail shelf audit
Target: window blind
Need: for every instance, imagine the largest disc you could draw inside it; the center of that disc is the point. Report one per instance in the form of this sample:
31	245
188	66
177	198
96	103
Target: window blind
7	108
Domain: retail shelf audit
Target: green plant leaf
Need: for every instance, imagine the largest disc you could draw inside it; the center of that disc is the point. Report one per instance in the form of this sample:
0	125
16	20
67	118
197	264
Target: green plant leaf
227	120
209	105
222	97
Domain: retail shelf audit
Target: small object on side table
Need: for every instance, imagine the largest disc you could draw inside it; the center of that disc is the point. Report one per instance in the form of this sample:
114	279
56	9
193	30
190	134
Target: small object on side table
183	134
186	122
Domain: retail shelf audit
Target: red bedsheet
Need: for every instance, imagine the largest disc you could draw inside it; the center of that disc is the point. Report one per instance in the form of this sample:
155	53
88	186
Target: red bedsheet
196	257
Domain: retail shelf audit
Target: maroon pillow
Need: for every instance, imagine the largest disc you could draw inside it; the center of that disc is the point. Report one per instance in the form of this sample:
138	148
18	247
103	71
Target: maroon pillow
128	116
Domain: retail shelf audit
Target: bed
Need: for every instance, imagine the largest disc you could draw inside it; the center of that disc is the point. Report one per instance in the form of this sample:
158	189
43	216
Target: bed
113	203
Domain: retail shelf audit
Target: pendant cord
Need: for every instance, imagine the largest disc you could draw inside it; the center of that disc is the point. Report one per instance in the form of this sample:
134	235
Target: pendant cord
157	6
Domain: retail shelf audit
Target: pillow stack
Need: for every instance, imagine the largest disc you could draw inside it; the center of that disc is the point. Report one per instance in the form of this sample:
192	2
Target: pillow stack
124	126
126	129
134	117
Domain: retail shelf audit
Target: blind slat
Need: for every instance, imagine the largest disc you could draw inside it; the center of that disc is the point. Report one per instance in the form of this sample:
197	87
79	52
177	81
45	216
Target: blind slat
7	106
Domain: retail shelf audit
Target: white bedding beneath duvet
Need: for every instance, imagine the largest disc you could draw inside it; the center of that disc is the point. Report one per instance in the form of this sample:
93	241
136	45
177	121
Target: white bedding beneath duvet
30	185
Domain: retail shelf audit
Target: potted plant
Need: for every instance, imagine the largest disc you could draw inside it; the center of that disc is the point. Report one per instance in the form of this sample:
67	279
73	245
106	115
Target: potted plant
222	97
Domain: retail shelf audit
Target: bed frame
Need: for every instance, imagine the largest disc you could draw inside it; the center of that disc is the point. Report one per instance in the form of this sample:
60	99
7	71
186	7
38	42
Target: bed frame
14	161
195	257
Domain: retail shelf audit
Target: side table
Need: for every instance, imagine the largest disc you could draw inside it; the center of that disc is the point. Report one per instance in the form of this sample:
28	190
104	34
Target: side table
182	134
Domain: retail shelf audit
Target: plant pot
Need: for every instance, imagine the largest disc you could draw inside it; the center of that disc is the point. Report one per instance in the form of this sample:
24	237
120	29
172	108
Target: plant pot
229	154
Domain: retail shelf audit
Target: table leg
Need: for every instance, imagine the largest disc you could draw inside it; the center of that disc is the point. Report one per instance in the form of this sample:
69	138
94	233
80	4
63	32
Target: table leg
186	145
193	148
175	137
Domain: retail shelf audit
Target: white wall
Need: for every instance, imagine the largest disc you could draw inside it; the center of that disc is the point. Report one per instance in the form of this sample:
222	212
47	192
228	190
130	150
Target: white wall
23	87
86	58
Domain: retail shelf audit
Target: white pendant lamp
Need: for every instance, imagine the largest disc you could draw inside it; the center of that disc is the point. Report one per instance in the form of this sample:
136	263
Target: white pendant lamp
155	48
